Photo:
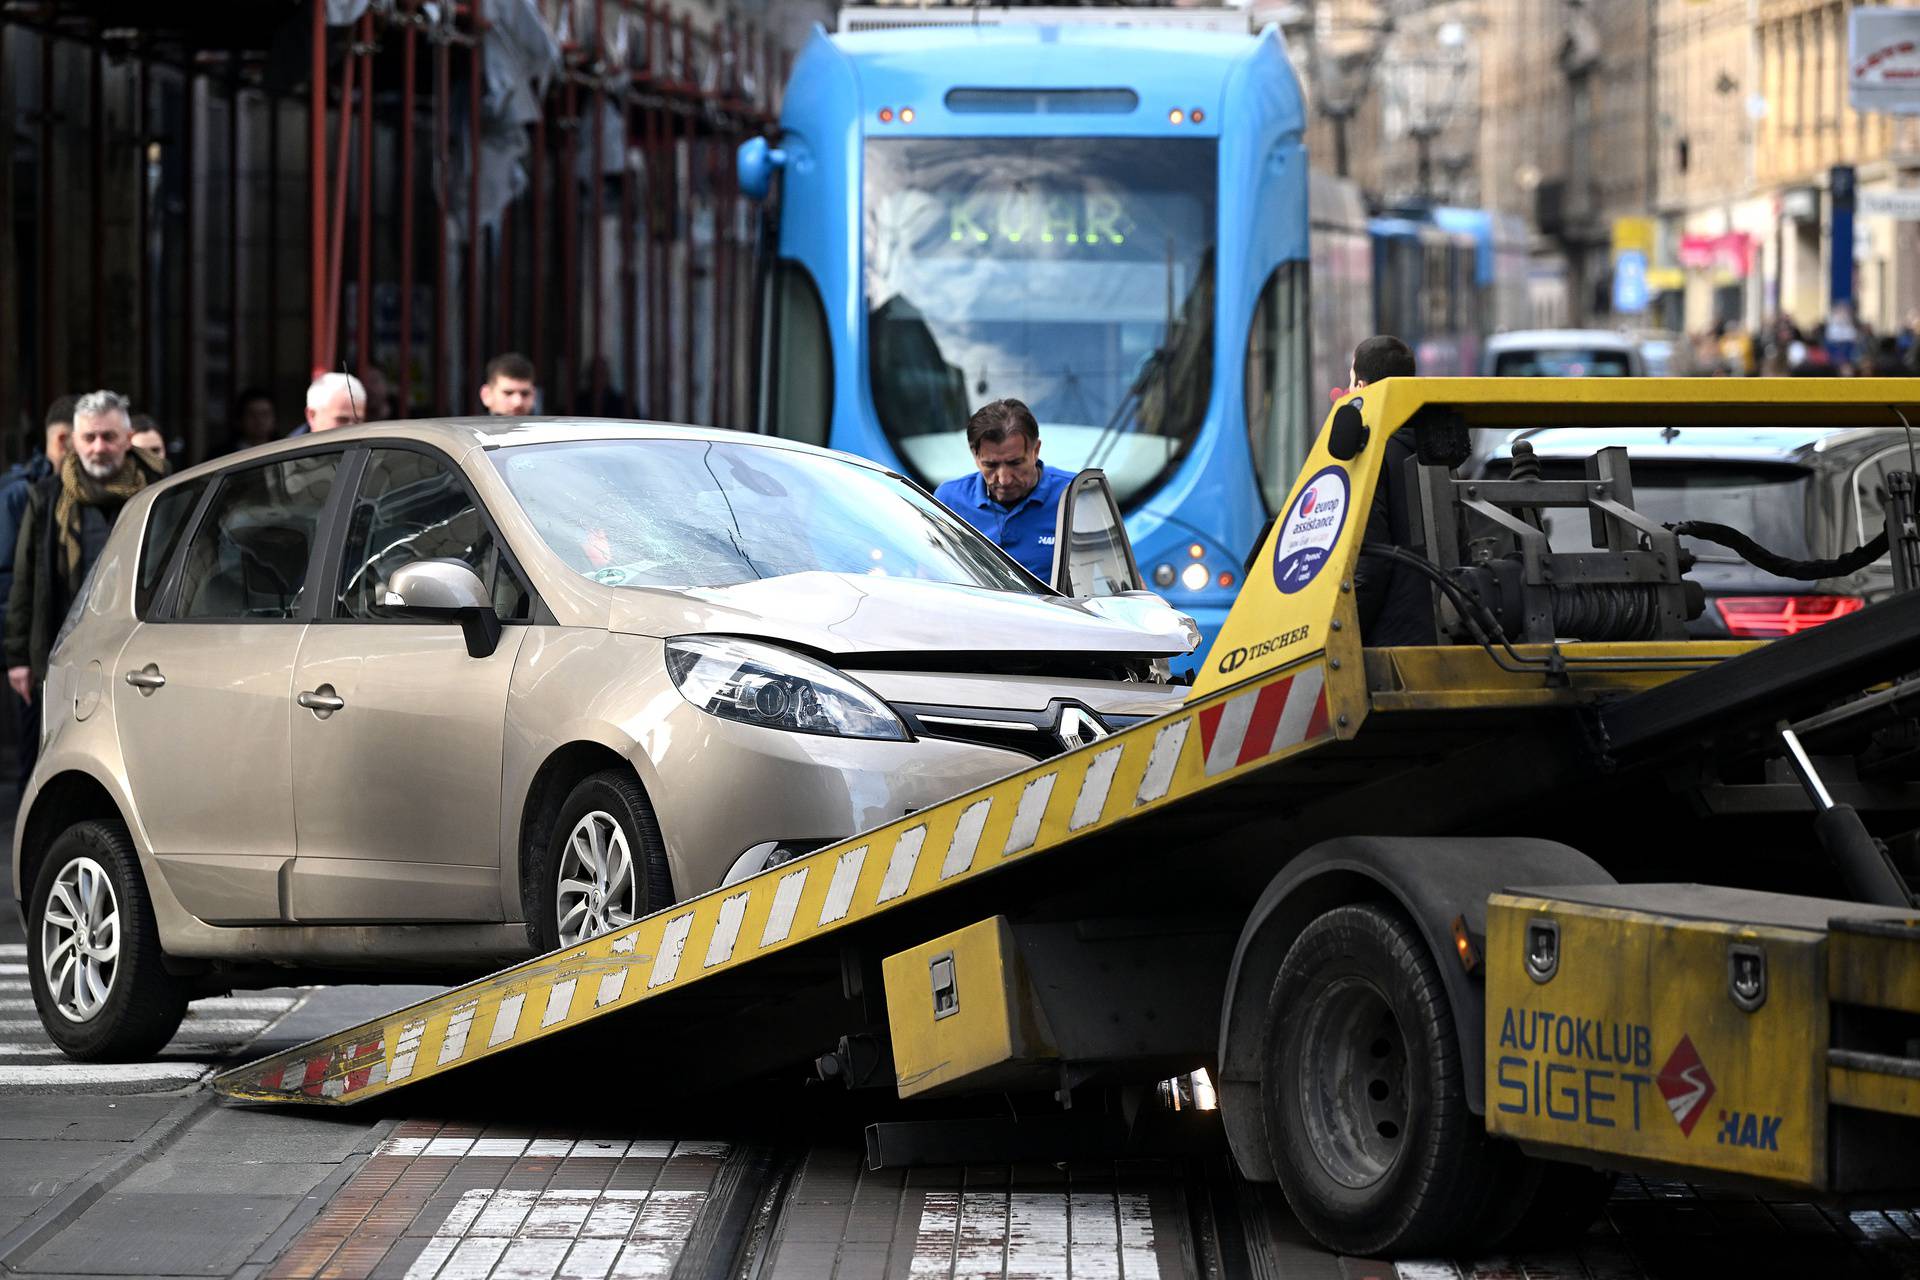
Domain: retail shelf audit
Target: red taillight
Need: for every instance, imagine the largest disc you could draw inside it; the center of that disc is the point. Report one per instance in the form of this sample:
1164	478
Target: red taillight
1766	617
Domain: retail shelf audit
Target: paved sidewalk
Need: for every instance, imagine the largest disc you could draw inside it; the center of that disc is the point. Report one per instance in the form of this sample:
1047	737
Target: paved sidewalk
105	1184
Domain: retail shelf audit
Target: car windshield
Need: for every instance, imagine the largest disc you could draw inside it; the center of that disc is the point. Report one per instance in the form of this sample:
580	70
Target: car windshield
1077	279
1767	502
1562	362
647	512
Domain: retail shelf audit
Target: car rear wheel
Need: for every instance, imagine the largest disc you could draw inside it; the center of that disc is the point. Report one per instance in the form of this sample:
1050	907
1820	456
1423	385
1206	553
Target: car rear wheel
93	950
605	864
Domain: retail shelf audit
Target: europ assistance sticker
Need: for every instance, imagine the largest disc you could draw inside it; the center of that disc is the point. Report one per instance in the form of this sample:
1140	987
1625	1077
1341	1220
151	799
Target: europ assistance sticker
1314	522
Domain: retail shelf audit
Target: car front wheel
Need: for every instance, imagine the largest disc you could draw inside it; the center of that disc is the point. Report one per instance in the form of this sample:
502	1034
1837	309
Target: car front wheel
93	950
604	866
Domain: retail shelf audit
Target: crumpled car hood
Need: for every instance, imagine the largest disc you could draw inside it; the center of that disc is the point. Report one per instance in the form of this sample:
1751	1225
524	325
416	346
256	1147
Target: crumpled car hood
848	614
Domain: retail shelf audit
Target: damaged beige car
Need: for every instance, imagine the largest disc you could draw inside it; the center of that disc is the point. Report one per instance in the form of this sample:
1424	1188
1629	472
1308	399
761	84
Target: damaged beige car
430	697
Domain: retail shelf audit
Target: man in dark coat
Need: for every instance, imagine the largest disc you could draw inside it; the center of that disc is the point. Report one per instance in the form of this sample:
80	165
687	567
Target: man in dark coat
44	458
1395	602
68	517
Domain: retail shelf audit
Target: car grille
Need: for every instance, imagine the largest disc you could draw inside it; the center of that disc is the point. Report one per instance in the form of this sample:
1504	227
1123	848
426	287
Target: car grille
1063	725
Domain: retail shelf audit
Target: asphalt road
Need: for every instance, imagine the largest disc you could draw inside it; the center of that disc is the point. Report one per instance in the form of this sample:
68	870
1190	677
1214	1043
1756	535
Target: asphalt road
136	1170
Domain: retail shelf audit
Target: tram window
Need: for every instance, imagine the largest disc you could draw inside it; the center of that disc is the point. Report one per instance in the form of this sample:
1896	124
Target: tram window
802	405
1278	397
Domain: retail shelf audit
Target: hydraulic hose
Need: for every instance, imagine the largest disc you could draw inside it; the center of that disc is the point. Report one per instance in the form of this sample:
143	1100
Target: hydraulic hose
1778	565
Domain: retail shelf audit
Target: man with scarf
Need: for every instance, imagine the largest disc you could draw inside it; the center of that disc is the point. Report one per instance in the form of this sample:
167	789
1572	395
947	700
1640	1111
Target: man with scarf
68	517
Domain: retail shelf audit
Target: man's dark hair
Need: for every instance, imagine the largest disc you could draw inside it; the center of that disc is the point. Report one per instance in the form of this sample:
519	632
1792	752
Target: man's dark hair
61	410
508	364
994	422
1382	356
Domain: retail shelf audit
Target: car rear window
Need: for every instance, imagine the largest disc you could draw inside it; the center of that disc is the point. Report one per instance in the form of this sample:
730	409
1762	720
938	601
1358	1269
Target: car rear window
1767	502
1565	362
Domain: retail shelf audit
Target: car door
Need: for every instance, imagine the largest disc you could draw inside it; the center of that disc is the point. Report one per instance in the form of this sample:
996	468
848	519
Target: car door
203	696
1092	555
397	742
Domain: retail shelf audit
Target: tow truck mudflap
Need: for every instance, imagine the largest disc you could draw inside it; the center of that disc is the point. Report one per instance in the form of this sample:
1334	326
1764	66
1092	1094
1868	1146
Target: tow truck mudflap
1750	1035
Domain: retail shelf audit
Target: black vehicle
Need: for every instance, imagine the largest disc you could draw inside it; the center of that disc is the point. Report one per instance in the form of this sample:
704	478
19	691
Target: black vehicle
1804	495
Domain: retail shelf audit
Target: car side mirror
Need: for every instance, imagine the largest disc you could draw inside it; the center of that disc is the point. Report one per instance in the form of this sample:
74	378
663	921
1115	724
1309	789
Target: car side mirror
445	591
1091	553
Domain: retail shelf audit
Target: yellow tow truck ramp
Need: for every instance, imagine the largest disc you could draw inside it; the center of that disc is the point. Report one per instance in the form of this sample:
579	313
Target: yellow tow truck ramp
1431	915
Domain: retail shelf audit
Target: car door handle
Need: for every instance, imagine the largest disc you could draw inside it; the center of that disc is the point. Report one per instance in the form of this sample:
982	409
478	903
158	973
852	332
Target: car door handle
147	679
322	700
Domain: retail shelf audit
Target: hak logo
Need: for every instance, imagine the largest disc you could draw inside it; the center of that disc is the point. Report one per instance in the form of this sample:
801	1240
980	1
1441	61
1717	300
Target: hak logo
1685	1084
1748	1129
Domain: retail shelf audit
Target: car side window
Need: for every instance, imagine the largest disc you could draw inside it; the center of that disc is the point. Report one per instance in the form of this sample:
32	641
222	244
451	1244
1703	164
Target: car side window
166	522
1870	492
249	557
413	506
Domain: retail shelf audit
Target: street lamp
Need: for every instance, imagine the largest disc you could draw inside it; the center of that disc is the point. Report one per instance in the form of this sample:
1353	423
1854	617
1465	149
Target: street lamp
1342	50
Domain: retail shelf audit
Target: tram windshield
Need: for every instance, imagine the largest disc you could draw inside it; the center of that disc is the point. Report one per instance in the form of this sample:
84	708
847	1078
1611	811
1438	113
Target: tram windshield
1073	274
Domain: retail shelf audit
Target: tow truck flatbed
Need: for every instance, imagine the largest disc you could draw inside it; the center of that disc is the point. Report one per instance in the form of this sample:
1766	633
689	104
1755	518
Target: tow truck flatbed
1133	906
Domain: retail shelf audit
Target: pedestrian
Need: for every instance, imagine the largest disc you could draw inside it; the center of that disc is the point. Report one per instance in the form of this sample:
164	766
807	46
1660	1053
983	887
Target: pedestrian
152	443
45	457
1011	496
381	404
254	420
508	389
68	516
334	400
1395	602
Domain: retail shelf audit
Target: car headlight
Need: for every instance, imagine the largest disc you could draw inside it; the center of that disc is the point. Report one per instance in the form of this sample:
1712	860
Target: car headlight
776	689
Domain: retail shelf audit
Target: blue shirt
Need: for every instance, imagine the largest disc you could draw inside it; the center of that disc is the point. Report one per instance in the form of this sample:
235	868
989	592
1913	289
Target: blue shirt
1024	530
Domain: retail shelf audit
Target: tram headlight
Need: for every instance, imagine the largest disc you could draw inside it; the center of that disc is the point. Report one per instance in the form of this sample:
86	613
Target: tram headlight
1163	575
1195	576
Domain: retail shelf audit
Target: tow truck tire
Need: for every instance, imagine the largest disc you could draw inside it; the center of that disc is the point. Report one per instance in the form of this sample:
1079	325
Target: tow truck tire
108	997
611	806
1365	1099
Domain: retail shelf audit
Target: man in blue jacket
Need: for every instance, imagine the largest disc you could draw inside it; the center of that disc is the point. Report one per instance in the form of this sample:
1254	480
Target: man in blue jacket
15	486
1012	497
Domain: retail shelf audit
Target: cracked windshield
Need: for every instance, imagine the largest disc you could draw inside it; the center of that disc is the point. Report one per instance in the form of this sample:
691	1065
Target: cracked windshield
1077	279
693	513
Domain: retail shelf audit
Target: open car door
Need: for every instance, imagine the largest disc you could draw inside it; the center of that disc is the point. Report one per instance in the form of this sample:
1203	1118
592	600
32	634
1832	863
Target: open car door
1091	553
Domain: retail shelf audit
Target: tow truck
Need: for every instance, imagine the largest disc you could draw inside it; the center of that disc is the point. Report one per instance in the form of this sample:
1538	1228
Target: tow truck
1454	929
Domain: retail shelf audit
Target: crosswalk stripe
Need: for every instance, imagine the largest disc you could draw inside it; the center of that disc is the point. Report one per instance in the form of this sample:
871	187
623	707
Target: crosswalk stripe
67	1074
239	1028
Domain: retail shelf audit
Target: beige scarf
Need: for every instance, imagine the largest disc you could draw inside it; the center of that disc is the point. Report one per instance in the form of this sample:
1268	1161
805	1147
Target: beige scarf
78	489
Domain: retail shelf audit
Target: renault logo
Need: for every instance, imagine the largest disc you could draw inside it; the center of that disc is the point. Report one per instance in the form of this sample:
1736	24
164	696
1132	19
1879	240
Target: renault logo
1078	728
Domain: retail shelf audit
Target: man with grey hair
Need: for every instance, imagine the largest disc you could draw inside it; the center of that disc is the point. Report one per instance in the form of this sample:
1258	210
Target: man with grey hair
333	400
68	517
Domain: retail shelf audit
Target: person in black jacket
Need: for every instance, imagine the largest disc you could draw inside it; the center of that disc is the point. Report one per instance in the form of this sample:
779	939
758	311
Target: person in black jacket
1395	602
63	530
45	456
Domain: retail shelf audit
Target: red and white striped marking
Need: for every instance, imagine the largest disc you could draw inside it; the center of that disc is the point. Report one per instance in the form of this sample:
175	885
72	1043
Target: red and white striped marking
1260	722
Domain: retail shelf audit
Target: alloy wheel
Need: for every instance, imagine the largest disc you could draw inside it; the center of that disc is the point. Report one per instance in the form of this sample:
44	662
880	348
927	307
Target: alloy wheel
596	892
80	939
